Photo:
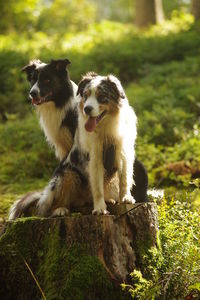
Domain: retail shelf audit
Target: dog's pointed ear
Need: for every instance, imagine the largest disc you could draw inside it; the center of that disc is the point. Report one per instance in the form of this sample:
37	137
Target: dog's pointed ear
115	87
60	64
30	68
84	81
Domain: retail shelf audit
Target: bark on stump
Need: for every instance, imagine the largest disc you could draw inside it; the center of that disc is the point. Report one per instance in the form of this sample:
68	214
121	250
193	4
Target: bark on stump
77	257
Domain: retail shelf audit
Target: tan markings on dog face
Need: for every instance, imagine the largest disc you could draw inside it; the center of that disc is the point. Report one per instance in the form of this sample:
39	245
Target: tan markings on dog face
105	102
113	108
86	94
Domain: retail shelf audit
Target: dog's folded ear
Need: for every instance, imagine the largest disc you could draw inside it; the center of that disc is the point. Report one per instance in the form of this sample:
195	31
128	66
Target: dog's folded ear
60	64
30	68
115	87
84	81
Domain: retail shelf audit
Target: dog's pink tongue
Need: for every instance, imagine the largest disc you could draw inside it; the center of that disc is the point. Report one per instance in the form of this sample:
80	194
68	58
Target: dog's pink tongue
91	123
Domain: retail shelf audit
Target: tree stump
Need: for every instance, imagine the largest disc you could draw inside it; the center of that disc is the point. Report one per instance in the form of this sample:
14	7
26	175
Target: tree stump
76	257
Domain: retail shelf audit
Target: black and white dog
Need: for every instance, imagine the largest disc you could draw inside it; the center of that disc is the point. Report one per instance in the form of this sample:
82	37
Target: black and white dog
53	95
106	125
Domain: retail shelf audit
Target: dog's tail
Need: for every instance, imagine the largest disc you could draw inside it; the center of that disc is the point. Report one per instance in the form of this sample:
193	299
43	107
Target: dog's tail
139	190
24	205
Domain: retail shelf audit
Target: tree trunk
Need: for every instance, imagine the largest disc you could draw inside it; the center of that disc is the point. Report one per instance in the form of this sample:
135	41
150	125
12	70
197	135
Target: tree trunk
196	9
78	257
148	12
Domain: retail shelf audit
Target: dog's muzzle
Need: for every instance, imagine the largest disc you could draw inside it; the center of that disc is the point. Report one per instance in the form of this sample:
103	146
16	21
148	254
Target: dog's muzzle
37	99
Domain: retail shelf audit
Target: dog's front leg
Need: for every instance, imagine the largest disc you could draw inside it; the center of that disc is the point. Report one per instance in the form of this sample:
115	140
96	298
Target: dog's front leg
96	176
126	179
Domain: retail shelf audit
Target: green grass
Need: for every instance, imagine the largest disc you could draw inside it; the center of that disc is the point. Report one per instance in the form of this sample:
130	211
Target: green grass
171	271
167	102
27	163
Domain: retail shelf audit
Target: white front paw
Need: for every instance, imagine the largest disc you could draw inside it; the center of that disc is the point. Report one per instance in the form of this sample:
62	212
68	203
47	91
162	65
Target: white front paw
128	199
111	201
60	212
99	212
100	209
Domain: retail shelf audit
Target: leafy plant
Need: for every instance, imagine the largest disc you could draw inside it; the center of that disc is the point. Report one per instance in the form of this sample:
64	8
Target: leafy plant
172	270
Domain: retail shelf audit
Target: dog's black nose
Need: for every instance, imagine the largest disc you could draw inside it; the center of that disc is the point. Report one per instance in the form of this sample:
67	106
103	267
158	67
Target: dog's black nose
88	109
34	93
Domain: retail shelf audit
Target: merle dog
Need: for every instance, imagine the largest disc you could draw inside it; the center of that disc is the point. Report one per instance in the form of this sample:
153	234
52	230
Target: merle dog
53	95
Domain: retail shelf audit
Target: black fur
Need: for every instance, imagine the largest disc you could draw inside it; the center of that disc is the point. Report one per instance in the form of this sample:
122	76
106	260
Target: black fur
76	163
75	157
139	190
84	81
53	80
110	89
109	159
60	169
82	177
29	69
71	120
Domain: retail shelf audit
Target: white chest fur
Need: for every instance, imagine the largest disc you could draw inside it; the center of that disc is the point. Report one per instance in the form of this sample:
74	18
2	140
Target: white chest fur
57	136
120	130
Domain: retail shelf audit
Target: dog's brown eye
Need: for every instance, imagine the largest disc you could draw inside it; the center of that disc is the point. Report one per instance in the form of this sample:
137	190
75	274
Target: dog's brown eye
102	99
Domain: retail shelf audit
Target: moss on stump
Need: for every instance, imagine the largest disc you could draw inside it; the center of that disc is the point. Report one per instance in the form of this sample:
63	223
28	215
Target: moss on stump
78	257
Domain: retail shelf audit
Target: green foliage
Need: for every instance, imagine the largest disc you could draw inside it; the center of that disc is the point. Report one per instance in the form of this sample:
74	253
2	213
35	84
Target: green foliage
166	100
28	152
171	271
168	97
115	10
12	99
33	15
170	5
26	161
180	240
67	16
17	15
140	288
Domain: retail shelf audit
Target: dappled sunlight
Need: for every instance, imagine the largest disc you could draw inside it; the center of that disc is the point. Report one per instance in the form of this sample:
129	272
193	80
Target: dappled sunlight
96	33
179	22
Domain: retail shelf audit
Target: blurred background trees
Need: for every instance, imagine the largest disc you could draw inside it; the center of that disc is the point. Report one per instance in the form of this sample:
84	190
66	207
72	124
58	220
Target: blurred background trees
61	16
148	12
196	9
